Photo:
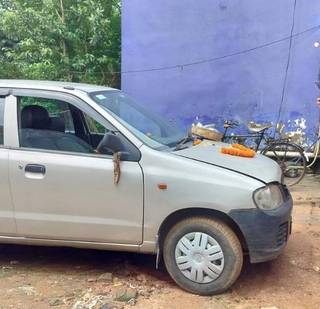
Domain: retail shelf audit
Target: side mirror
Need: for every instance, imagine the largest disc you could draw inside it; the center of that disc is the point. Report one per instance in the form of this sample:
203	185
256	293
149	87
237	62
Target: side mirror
110	144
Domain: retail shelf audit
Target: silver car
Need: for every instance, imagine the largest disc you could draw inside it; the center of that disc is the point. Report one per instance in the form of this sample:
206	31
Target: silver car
86	166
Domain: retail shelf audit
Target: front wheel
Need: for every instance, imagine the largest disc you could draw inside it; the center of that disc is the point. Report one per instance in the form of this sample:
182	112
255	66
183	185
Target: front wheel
203	256
291	159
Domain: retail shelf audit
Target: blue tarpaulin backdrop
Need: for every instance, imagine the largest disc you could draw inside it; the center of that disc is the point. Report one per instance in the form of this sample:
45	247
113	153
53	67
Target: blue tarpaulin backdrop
173	59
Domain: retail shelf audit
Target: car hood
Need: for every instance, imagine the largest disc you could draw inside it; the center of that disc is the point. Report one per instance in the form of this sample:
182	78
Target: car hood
259	167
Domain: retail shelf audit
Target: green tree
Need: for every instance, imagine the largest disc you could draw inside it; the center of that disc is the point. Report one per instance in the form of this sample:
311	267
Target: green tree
72	40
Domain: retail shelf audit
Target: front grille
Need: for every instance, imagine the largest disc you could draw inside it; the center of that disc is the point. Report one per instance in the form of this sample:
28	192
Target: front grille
282	235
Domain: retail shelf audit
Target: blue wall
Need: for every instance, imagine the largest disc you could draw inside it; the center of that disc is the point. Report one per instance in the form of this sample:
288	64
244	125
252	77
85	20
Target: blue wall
246	87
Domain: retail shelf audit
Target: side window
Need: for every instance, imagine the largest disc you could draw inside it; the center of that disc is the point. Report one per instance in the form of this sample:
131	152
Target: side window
56	125
94	127
52	125
59	112
1	119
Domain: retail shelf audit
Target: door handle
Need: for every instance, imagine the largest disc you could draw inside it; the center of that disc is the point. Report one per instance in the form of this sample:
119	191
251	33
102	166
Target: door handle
35	169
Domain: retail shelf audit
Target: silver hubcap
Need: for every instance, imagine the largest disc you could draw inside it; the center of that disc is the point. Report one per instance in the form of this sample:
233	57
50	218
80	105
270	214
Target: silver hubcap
199	257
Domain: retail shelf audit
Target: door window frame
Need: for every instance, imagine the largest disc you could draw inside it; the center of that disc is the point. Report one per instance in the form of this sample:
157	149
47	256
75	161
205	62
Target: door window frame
11	123
10	138
2	97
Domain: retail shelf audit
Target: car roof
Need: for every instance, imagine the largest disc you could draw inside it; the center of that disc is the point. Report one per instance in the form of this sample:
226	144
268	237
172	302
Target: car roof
50	85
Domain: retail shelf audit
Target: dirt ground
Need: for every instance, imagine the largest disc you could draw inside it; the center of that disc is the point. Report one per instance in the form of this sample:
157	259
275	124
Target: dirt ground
35	277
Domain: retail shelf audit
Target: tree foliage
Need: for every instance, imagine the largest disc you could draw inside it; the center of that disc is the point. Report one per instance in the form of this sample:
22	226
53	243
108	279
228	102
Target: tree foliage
72	40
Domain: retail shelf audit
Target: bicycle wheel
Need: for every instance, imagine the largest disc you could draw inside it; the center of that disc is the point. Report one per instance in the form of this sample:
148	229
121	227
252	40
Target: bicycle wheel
291	159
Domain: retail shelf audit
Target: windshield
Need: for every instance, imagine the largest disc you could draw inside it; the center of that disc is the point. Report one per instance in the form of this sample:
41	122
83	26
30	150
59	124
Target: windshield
149	127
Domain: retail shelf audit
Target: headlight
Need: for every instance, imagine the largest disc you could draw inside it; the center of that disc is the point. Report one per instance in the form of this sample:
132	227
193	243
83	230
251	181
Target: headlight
268	197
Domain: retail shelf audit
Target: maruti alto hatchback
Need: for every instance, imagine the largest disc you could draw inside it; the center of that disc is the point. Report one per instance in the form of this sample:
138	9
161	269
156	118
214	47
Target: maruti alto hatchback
86	166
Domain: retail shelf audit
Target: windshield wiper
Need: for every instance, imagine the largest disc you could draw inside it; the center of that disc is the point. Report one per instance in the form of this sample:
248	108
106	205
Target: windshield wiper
180	143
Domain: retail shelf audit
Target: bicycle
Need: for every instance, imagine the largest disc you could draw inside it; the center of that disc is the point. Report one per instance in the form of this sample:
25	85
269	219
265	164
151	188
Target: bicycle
290	156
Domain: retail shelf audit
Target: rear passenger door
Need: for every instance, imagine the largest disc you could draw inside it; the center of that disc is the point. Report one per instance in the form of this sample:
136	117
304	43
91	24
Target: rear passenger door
62	189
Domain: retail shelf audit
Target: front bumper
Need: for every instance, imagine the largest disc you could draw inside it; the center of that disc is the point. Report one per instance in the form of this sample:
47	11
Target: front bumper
266	232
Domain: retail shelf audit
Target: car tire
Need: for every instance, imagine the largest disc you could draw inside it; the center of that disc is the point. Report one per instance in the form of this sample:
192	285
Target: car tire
203	256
